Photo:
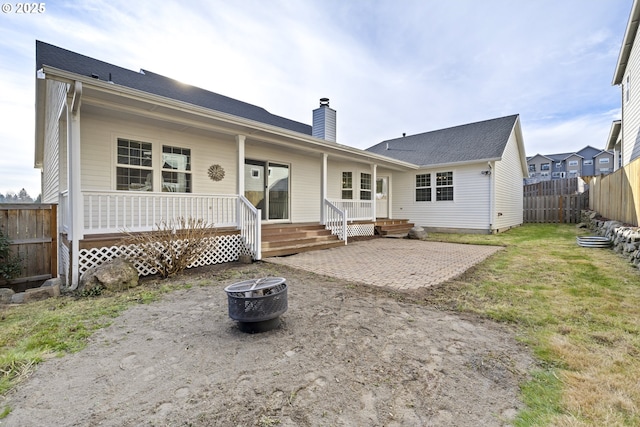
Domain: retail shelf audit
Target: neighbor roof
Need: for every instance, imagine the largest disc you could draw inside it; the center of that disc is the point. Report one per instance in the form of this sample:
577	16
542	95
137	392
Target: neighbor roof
478	141
56	57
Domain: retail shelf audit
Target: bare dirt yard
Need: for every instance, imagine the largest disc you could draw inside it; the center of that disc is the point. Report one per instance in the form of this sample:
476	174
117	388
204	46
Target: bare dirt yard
345	354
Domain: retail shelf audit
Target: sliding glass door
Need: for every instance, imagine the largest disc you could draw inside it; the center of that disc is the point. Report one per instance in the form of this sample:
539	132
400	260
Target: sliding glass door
267	188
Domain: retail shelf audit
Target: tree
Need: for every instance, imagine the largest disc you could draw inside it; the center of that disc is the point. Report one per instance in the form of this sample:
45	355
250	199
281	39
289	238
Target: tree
23	197
10	264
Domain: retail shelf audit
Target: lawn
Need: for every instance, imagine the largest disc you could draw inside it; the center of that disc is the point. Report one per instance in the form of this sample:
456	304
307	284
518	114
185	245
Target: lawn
576	308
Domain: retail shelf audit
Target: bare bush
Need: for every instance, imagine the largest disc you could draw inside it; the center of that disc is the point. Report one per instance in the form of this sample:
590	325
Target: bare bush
173	245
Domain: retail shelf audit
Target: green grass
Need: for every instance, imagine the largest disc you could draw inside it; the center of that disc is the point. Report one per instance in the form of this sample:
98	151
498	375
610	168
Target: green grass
576	308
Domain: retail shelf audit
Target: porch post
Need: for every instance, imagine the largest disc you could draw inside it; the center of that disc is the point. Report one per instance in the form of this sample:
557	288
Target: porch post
323	189
240	182
74	97
240	139
374	183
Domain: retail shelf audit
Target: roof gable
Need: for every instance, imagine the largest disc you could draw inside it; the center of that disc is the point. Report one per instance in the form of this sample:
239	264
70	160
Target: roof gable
53	56
466	143
627	43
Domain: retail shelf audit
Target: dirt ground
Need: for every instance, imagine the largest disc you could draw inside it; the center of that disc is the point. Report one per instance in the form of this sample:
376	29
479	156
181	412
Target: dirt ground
344	355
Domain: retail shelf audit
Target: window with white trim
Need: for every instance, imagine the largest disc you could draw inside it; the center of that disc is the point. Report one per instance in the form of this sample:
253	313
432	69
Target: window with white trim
347	185
558	165
573	174
423	187
573	163
545	167
444	186
532	168
587	162
603	160
176	169
134	170
365	186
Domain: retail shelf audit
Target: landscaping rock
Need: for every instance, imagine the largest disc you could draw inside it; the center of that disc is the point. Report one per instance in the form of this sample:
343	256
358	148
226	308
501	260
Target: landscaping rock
38	294
114	275
17	298
5	295
417	232
52	282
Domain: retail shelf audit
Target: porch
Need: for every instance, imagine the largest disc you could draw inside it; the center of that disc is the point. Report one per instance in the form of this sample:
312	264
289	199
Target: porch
104	217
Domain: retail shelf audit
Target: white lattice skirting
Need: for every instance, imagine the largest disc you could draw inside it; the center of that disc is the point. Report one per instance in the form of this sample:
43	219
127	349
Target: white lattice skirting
222	249
360	230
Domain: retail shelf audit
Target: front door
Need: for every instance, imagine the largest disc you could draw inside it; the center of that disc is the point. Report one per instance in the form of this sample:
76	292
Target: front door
266	186
382	197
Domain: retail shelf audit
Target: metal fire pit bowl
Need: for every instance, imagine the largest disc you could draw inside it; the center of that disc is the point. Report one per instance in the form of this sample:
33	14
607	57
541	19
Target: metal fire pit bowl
257	304
593	242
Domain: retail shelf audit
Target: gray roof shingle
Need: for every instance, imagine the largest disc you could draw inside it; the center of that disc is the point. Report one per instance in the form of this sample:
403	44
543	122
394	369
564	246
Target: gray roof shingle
53	56
465	143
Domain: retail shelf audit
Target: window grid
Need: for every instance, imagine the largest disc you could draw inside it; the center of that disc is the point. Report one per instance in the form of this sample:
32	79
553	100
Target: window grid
139	155
444	186
423	187
347	185
365	186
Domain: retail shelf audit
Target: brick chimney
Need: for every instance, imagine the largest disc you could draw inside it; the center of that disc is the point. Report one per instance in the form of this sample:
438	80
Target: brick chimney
324	121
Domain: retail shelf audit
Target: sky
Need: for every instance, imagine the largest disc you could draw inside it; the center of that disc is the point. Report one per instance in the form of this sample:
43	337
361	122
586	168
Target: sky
388	66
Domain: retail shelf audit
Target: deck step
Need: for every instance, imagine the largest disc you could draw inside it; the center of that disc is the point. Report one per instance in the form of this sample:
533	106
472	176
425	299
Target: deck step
289	239
392	227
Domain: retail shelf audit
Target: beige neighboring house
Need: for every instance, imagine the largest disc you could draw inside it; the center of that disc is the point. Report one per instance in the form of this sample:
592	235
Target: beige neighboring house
122	150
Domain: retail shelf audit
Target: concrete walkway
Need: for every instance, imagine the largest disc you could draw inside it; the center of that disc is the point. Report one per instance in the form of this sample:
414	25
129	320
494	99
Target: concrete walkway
399	264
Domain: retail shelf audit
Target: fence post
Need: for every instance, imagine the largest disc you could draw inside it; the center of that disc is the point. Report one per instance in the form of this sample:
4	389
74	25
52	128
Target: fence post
561	210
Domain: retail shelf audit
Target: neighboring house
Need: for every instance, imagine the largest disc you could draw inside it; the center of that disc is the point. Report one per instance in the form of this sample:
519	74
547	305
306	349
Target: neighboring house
122	150
589	161
624	137
469	177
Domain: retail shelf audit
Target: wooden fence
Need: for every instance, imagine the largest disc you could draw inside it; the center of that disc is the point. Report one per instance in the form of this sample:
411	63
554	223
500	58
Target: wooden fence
555	209
617	195
555	187
31	228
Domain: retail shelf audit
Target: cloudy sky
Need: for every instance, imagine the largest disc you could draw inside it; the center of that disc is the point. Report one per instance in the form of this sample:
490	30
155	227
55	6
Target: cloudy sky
388	66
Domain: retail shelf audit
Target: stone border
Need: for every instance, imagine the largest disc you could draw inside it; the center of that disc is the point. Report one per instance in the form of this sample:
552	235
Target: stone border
625	238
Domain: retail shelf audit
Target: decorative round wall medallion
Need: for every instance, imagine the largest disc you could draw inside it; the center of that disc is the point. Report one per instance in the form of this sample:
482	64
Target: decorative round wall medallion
216	172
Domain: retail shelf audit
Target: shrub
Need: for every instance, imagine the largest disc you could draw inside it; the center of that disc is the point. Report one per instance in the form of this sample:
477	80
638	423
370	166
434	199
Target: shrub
10	264
173	245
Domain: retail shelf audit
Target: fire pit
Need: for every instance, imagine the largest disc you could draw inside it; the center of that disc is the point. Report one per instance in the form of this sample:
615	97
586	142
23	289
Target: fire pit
257	304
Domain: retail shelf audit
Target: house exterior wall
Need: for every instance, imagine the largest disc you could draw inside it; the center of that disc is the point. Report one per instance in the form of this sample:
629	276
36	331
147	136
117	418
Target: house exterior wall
631	107
469	211
508	196
603	163
335	169
573	165
535	168
54	139
99	147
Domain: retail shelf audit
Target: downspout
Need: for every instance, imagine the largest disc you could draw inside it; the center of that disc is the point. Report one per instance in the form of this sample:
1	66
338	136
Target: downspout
73	176
491	198
323	188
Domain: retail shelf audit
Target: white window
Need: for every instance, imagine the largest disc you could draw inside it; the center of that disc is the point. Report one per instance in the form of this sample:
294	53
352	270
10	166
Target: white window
558	165
573	163
587	162
545	167
603	160
605	170
135	165
347	185
176	169
423	187
134	170
545	173
444	186
573	174
532	168
365	186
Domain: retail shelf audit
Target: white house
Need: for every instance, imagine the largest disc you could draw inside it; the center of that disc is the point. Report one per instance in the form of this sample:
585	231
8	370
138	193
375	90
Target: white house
122	150
624	137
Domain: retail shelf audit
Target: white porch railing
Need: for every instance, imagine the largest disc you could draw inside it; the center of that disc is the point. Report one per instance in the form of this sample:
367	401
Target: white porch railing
115	211
359	210
335	220
249	222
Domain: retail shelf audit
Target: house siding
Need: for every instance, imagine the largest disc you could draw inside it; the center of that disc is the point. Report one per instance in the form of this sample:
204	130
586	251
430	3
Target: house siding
99	142
54	138
508	187
631	108
468	211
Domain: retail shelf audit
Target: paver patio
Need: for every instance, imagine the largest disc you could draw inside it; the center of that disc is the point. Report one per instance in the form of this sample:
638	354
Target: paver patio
399	264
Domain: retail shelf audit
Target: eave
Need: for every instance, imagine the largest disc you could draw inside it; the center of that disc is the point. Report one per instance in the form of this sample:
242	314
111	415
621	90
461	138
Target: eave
627	44
230	123
614	133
